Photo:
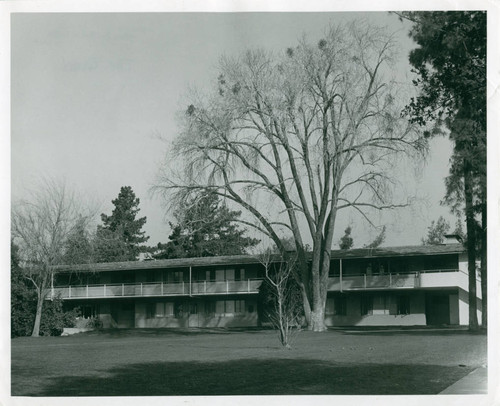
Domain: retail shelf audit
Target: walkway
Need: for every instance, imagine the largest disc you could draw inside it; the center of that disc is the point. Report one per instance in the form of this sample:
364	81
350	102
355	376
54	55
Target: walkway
476	383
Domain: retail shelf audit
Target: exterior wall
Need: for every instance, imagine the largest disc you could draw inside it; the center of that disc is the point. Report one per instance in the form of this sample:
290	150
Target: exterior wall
172	318
463	305
463	293
381	315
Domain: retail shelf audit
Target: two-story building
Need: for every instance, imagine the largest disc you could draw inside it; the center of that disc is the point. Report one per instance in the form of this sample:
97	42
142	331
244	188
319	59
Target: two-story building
413	285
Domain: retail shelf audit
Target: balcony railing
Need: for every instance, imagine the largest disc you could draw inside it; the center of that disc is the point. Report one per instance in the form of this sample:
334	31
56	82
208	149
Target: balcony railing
426	278
157	289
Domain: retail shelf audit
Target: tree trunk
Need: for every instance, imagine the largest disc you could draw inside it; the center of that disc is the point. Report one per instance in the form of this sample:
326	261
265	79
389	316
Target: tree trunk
318	319
484	273
38	315
471	245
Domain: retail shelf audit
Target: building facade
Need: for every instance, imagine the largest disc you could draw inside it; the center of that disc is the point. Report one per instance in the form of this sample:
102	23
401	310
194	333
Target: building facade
415	285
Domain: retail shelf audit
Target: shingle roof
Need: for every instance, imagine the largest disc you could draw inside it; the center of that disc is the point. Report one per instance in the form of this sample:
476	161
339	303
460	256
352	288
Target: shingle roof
413	250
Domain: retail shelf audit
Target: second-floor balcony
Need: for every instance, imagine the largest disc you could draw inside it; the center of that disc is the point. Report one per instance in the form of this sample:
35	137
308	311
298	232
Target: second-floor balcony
420	279
156	289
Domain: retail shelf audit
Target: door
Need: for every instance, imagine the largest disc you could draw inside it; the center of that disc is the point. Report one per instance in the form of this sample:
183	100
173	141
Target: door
437	308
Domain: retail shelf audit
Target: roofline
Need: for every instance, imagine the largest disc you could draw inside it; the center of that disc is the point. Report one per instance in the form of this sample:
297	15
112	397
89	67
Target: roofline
357	253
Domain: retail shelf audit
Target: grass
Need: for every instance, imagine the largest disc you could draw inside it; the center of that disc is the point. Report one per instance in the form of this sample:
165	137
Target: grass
222	362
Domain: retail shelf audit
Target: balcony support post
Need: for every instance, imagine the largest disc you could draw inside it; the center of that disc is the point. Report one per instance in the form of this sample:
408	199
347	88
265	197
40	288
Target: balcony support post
52	286
340	275
190	281
365	280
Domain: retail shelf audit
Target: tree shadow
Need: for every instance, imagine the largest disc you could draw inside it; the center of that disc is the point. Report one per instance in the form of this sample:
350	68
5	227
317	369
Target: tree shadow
256	377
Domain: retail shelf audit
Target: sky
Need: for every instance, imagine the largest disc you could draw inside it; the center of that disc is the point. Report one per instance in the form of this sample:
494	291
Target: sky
94	98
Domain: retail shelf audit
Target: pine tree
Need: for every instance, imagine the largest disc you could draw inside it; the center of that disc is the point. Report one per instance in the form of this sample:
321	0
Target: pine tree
206	227
436	232
346	241
120	236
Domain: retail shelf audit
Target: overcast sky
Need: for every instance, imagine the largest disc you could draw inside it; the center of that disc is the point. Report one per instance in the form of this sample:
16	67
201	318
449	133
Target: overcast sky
91	93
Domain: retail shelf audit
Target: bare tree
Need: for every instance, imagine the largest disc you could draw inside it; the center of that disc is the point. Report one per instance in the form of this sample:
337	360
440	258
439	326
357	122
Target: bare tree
283	308
294	138
41	227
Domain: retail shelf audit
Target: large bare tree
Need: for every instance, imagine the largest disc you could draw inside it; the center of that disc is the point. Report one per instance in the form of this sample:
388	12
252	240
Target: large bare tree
296	137
41	226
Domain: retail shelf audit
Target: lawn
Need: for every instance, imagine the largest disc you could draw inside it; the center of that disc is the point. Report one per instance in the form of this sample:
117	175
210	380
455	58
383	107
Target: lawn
222	362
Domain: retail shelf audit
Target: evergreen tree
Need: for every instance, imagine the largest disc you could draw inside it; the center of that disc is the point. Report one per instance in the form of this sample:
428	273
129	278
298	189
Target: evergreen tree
378	240
436	232
450	61
120	236
346	241
206	227
22	298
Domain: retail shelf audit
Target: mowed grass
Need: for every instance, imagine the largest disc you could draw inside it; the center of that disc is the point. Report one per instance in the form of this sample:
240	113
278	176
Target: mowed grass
222	362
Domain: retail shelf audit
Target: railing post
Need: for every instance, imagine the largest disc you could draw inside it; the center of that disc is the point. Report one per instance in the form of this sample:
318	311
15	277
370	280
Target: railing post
141	288
162	288
365	279
205	283
182	287
248	285
69	291
87	290
123	289
390	279
104	289
227	286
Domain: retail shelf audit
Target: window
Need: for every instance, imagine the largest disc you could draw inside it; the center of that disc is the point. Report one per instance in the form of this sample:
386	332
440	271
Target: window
169	309
366	305
230	274
403	304
240	274
178	276
230	307
239	306
340	306
210	275
160	309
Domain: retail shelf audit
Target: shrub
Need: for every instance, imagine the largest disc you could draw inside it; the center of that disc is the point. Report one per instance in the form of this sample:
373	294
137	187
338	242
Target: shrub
54	318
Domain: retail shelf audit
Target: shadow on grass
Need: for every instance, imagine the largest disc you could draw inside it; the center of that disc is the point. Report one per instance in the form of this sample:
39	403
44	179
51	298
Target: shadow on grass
254	377
410	331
